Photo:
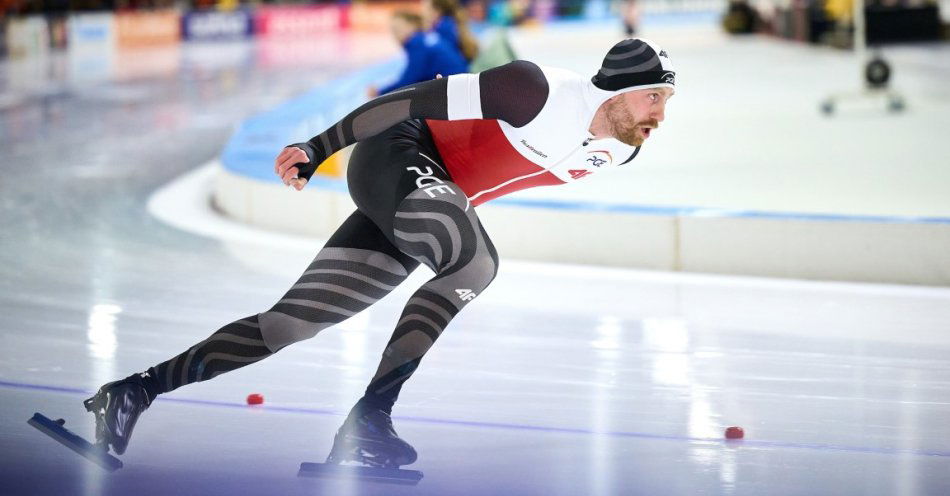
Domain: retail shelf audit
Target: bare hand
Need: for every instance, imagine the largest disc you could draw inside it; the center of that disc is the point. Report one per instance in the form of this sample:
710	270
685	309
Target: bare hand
372	92
285	166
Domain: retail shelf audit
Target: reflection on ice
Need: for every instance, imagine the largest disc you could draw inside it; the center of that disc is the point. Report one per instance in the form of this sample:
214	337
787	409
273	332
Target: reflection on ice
354	338
101	331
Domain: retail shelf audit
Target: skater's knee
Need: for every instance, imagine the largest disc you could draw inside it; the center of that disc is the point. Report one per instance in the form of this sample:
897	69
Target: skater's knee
481	270
464	283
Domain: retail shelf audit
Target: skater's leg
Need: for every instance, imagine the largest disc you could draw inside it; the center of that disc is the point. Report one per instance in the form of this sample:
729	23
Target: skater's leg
443	232
234	345
356	268
398	179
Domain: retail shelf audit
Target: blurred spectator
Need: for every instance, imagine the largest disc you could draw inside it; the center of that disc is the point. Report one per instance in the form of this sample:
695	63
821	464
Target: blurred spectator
840	10
515	12
631	17
448	18
740	18
428	54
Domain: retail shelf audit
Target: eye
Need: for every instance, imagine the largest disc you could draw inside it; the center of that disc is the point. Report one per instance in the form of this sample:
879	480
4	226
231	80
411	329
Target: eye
655	97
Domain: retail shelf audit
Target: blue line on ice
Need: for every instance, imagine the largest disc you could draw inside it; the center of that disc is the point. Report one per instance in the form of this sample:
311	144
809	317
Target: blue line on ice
523	427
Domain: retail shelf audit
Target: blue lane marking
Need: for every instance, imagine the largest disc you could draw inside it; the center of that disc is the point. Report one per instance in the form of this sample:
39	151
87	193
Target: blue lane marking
251	150
690	211
523	427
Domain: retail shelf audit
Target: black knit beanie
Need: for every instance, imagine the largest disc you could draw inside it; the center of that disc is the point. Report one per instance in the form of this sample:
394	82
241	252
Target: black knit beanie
633	63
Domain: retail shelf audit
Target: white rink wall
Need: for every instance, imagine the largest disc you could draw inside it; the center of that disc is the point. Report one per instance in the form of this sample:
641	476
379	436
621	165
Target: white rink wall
844	250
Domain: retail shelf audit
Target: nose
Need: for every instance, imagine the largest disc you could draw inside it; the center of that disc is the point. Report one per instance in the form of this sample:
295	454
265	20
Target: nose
660	112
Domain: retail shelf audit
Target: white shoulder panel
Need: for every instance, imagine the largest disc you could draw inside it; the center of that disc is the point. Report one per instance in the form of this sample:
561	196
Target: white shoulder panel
561	126
464	97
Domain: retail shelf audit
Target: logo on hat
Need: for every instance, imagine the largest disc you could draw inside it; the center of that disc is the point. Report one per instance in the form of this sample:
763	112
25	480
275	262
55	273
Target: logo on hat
669	77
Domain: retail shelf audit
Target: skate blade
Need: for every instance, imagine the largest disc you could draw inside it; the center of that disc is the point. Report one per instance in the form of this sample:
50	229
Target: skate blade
95	454
371	474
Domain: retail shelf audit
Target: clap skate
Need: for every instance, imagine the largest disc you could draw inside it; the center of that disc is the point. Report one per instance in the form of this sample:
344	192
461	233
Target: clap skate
117	407
367	447
96	453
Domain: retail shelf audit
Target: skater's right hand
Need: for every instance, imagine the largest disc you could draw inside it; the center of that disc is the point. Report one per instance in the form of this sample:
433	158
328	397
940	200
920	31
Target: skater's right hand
290	164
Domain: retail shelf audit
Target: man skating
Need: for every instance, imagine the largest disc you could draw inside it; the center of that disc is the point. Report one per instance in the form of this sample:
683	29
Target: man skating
427	154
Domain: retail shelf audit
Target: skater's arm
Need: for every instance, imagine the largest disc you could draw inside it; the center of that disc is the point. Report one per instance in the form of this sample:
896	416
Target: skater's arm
514	93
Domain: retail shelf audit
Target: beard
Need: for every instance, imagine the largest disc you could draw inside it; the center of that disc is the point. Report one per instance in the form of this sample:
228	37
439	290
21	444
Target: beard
625	127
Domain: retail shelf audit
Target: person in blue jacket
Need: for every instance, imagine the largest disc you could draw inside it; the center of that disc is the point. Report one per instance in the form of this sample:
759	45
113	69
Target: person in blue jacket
428	54
448	18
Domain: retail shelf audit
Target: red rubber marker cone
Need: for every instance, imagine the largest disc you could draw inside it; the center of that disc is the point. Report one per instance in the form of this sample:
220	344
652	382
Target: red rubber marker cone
255	399
734	432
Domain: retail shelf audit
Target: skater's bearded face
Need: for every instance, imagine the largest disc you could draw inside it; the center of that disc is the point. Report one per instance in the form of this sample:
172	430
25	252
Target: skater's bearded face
632	116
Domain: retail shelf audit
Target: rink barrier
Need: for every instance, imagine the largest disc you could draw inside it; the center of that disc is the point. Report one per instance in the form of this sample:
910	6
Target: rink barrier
292	21
147	29
907	250
213	25
26	36
35	34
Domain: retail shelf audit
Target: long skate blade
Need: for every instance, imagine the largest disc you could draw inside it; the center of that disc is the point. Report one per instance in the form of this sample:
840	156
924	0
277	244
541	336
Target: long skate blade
76	443
372	474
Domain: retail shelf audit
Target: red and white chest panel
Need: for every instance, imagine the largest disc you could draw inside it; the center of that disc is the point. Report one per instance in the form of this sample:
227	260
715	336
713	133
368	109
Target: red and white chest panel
490	158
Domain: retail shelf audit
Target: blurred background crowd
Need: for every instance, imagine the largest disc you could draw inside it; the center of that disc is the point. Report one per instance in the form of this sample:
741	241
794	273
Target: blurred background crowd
36	26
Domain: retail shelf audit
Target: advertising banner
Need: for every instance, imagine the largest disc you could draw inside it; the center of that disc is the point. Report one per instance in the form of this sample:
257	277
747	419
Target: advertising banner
27	36
138	29
216	25
91	46
296	22
95	32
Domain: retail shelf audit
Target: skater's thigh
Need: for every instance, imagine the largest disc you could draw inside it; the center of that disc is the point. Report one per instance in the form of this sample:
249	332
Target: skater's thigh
387	168
360	237
357	267
439	227
397	179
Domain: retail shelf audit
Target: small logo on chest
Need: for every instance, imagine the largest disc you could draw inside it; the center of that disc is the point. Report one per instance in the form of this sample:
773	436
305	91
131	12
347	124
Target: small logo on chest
599	158
533	149
595	160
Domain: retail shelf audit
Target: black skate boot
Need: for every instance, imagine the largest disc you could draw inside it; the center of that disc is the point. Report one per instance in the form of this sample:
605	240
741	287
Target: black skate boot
367	437
117	407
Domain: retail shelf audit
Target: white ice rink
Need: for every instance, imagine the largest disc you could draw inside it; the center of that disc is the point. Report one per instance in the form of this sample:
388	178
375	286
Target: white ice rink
561	380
